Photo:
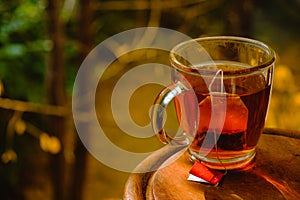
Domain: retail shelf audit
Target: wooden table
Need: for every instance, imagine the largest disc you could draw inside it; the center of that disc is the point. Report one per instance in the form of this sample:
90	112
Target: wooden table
276	174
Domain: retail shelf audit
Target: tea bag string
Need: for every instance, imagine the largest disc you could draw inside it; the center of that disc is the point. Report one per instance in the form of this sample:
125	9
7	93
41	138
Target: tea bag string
222	91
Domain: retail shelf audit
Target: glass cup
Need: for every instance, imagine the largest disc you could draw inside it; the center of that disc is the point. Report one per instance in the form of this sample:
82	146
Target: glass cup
221	87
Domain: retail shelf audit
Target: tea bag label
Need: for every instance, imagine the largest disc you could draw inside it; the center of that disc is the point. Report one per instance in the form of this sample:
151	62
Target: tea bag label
196	179
201	173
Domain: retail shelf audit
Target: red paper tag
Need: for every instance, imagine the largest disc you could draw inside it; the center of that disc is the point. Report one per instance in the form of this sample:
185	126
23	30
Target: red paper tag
205	173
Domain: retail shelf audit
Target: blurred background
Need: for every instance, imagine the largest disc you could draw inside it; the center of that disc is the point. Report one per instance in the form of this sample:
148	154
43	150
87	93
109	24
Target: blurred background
42	45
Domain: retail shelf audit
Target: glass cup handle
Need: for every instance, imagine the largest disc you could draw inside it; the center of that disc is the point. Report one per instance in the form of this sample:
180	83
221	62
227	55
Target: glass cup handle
159	113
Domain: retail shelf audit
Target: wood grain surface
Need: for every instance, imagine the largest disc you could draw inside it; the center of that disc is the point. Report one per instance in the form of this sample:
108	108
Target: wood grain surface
276	174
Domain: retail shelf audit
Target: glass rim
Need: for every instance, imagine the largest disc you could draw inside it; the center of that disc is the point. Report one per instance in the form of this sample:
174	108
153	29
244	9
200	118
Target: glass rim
261	45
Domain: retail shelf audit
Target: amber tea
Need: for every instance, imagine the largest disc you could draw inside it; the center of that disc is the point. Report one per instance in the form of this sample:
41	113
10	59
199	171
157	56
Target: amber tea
243	118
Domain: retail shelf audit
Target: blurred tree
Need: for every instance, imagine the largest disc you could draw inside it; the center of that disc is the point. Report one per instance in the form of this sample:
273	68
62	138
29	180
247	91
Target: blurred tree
239	17
33	70
86	34
56	93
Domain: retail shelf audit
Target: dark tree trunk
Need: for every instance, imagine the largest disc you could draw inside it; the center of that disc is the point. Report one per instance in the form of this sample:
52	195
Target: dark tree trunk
85	40
56	95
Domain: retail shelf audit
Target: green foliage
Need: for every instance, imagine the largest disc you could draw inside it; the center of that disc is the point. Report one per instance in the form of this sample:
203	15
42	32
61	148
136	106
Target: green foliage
23	48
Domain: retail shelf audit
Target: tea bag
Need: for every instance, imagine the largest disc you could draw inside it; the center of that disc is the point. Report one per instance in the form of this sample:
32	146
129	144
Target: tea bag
216	106
213	111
